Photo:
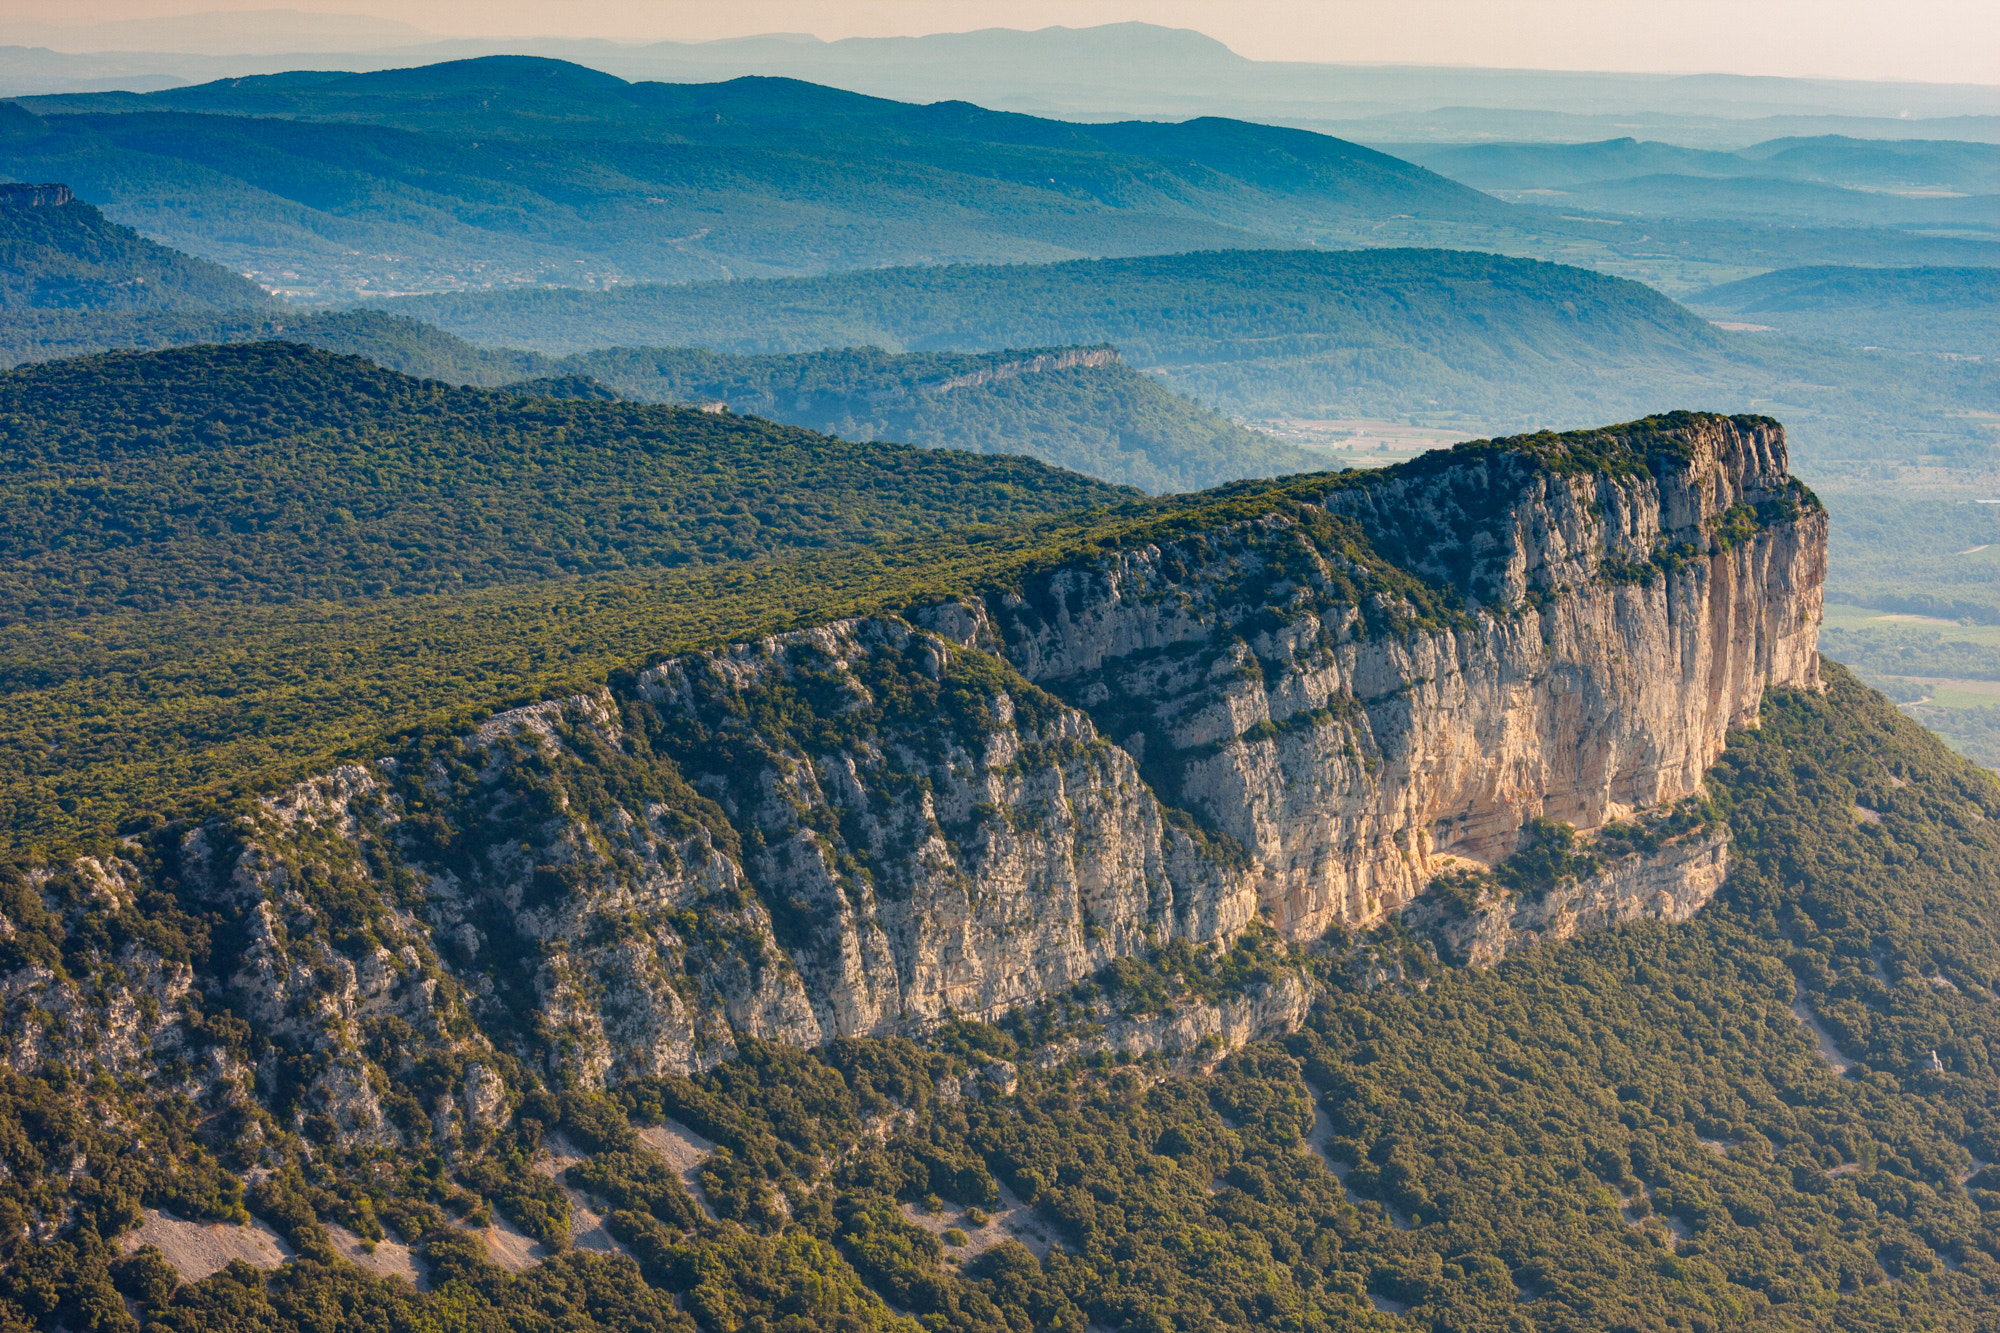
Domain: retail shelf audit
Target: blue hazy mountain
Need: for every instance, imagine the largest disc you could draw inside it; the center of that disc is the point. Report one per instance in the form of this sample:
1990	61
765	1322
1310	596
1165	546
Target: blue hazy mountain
1920	309
513	169
1826	180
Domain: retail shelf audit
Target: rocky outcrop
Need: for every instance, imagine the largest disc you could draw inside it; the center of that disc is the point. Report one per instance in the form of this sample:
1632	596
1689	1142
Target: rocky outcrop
35	196
1669	884
1190	1033
122	1017
1300	708
1594	626
1067	358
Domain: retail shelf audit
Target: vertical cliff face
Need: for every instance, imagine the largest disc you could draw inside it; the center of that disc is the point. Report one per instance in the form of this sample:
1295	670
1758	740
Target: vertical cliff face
1302	707
931	832
1607	615
1670	882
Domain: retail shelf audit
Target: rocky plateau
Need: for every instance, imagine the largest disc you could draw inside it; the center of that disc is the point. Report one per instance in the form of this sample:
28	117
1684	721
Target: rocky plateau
1290	721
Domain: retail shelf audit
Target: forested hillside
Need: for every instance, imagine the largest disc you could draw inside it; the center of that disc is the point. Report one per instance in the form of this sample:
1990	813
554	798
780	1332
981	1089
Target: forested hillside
392	341
1093	415
1159	309
1372	332
59	253
269	472
1078	408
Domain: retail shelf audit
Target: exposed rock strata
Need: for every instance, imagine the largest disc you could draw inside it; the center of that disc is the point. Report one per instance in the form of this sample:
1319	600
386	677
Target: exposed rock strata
1620	626
1671	884
869	827
1194	1032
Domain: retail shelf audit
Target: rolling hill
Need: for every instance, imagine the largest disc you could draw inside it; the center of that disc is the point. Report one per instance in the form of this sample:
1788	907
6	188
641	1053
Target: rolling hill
511	169
59	253
1920	309
1368	332
1080	408
273	472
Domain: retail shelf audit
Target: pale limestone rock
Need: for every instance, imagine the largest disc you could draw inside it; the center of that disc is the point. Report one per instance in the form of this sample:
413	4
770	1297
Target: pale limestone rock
485	1096
1669	885
1346	762
1195	1032
867	827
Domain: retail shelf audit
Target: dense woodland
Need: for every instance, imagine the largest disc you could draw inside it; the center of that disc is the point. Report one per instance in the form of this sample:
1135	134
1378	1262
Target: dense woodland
391	341
1107	421
271	472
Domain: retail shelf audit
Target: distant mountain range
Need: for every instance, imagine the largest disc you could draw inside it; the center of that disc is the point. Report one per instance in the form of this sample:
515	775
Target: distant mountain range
1109	71
515	171
1826	181
1964	168
523	170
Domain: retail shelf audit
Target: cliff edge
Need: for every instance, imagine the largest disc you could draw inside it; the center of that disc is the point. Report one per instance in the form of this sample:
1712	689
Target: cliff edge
1298	703
1590	615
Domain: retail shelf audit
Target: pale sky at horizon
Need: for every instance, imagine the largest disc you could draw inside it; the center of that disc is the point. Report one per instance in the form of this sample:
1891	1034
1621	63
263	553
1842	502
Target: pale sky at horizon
1927	40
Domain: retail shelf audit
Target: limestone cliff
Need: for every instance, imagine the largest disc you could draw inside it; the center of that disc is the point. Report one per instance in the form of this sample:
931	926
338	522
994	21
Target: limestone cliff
1297	704
1668	883
1603	625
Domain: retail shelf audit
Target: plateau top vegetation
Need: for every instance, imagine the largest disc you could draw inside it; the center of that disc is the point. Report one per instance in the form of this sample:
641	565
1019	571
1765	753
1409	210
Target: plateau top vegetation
232	564
270	471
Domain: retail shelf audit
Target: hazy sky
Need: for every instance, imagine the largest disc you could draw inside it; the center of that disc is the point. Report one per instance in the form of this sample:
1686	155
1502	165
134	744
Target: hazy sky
1931	40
